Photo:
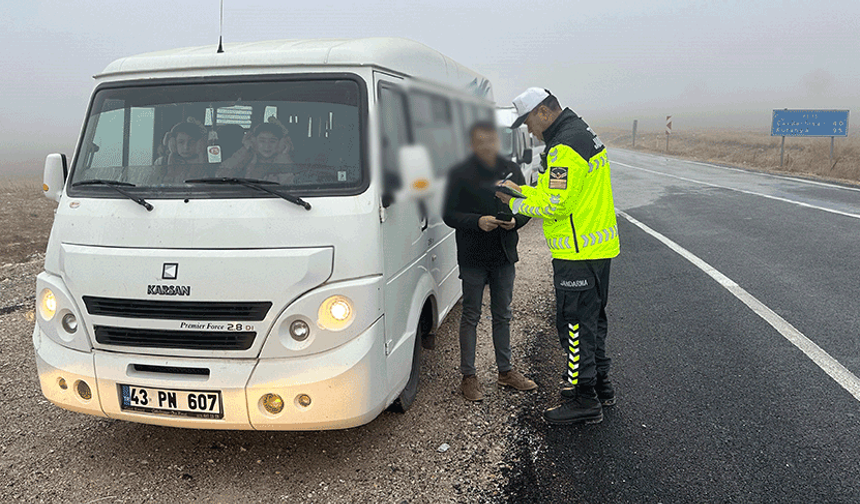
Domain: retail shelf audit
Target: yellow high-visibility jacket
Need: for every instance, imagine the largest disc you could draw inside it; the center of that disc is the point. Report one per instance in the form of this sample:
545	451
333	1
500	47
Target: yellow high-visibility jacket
573	195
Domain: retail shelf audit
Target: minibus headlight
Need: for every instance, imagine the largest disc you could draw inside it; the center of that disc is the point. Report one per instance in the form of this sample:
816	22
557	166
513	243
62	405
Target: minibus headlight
47	304
336	313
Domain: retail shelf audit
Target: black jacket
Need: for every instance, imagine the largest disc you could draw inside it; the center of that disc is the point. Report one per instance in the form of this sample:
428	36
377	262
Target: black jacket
571	130
469	196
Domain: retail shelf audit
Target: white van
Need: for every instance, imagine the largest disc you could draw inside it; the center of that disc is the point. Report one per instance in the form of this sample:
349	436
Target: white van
519	145
206	271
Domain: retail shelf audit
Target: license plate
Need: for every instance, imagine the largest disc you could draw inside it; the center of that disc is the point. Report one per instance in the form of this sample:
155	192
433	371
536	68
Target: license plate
191	403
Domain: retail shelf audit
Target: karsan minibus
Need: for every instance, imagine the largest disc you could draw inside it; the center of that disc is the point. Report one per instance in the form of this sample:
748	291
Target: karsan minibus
252	239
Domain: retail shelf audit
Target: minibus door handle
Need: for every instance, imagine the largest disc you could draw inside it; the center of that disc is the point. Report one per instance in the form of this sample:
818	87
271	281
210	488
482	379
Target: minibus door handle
422	212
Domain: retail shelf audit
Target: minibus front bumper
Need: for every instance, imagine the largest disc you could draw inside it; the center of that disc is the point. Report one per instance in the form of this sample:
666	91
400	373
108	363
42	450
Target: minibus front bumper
340	388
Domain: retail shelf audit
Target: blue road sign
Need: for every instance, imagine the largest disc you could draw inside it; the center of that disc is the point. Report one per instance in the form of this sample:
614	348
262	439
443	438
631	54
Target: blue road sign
809	123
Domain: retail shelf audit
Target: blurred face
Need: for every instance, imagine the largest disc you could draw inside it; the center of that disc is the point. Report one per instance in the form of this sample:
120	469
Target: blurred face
267	145
185	145
485	145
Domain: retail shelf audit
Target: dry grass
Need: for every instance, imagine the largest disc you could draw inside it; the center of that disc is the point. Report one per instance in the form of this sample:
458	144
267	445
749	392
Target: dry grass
26	217
754	150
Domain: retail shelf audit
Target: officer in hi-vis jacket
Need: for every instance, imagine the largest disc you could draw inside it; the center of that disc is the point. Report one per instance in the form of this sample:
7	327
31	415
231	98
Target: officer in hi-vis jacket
574	198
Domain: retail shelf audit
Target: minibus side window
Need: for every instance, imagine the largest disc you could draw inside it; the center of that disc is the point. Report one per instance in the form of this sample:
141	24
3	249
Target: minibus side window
462	133
467	120
469	117
395	133
433	125
458	106
484	114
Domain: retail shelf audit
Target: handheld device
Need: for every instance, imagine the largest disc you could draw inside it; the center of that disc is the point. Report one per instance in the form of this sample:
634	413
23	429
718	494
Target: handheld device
510	192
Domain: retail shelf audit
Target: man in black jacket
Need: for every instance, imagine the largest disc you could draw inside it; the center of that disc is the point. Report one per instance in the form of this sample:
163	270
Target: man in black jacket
486	252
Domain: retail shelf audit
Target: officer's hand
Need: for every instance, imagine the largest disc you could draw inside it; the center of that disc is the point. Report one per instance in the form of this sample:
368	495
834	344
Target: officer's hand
488	223
504	197
512	185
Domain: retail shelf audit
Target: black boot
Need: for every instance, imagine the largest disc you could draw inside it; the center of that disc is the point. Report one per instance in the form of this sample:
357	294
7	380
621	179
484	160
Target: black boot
603	387
584	407
605	390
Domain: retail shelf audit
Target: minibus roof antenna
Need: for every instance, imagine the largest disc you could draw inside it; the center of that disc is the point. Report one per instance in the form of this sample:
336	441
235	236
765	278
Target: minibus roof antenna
221	30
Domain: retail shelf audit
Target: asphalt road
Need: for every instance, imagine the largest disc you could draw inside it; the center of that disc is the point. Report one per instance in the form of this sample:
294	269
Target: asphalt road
715	403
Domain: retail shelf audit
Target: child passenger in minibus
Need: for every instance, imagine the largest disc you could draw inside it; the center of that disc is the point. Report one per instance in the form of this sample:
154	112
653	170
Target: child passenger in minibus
266	148
185	144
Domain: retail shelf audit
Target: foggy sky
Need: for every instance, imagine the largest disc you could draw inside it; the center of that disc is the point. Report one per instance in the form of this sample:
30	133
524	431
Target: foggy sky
708	64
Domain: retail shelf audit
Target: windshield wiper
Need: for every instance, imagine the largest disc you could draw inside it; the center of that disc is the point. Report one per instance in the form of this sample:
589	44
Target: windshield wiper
115	185
259	185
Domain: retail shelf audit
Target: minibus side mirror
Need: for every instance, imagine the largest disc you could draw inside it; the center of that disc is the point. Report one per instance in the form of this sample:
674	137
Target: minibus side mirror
54	177
526	157
416	170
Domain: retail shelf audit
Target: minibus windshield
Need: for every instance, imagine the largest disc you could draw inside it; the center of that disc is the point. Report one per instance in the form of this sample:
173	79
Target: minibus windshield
301	135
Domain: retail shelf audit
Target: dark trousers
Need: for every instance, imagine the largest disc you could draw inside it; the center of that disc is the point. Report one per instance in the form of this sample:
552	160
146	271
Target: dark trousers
501	281
582	325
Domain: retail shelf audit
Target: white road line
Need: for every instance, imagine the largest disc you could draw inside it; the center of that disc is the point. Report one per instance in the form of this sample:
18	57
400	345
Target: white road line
822	359
777	198
778	176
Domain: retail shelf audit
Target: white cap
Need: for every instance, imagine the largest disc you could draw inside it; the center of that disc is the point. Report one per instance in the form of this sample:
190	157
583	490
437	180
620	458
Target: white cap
527	101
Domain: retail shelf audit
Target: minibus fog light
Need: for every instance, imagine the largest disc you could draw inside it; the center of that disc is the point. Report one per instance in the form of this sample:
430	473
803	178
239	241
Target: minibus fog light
62	383
70	323
84	390
299	330
47	304
336	313
273	403
303	400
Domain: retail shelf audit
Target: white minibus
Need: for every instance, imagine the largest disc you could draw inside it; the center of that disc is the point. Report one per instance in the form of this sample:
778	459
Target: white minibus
252	239
519	145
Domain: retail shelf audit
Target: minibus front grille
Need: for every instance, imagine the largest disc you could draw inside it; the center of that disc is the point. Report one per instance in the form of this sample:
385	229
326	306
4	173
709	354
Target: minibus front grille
188	340
178	310
148	368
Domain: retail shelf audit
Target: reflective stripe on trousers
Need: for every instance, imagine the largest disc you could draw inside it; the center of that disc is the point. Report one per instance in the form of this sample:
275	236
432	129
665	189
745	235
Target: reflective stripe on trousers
573	353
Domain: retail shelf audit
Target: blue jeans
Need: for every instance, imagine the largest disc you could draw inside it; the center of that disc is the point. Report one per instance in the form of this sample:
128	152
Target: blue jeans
501	281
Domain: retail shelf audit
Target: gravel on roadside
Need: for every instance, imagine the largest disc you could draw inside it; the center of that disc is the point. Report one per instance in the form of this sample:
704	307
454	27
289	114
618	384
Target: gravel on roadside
443	450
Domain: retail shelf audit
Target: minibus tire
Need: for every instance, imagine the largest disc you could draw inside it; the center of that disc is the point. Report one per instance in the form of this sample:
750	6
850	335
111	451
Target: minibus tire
407	396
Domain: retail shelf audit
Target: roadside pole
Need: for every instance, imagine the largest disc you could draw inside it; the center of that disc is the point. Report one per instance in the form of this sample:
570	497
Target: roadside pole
635	123
668	131
781	151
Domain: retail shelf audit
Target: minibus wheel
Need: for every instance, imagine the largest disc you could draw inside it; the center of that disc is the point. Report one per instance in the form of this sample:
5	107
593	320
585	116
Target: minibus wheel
407	397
